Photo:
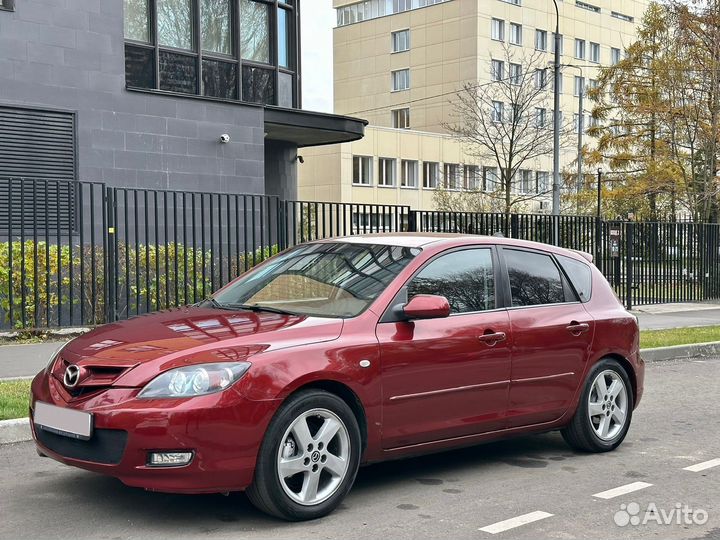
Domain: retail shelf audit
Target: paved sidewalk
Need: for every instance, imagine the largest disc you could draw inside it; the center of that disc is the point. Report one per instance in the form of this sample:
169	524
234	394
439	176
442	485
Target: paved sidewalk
26	360
677	315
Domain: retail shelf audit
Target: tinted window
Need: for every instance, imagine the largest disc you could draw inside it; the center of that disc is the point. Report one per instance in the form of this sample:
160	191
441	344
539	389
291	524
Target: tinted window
534	279
464	277
329	279
580	275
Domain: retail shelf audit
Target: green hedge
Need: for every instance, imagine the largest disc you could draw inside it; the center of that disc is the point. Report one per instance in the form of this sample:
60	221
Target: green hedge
174	272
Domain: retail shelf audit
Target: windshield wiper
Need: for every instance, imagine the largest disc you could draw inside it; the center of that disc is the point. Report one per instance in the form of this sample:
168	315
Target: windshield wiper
251	307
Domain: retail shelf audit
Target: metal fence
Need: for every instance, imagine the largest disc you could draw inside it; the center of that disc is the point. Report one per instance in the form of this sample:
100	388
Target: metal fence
83	253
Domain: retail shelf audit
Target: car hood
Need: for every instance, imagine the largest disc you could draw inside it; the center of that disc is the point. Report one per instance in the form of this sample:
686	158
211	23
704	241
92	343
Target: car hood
130	353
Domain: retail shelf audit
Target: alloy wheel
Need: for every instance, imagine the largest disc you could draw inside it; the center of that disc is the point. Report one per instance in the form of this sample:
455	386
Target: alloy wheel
608	405
313	457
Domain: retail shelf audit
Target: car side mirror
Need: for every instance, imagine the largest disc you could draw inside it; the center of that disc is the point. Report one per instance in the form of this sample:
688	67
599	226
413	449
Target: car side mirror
426	306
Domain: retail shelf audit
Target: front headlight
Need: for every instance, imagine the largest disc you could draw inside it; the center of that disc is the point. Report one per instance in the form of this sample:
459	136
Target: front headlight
195	380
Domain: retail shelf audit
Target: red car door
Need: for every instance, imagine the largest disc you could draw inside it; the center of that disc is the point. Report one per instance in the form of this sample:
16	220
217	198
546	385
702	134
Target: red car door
445	378
552	336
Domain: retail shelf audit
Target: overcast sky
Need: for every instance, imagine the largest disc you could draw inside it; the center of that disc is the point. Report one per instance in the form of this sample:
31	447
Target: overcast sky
317	20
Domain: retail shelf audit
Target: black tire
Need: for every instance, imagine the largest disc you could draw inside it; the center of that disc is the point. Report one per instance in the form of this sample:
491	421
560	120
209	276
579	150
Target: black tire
579	433
266	492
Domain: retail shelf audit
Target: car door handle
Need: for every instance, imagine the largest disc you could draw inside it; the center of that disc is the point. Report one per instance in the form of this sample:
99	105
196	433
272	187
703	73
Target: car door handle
576	328
492	338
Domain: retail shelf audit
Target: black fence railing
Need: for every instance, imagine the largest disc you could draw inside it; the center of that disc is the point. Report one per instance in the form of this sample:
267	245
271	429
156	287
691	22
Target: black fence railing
83	253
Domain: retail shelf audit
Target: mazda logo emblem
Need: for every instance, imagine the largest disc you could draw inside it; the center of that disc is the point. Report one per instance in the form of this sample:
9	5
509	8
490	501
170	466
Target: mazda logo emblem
72	376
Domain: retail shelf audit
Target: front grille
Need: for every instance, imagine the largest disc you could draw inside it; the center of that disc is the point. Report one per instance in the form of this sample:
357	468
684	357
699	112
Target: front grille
96	378
106	446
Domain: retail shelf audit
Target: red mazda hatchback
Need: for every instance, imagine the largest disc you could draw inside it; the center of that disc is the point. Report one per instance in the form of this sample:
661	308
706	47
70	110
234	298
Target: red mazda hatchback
343	352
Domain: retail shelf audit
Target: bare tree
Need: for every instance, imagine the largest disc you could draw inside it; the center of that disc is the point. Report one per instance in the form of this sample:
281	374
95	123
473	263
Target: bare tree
506	122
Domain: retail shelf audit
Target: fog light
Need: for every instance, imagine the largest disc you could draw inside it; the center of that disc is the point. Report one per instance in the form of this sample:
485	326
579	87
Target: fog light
169	459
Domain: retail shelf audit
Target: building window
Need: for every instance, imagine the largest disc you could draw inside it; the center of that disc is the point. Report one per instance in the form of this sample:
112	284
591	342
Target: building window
540	117
615	56
8	5
579	86
527	182
491	180
626	18
562	43
592	83
541	78
401	41
401	118
497	71
472	177
515	74
543	184
196	47
400	80
362	170
497	29
431	174
137	20
498	112
386	170
580	49
409	173
452	176
541	40
595	52
372	9
589	7
285	37
516	36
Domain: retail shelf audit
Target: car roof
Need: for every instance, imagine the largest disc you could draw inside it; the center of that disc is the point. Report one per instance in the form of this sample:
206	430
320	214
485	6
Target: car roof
421	240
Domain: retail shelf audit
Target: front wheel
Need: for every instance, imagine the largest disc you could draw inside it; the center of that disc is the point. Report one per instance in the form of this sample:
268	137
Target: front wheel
605	410
308	459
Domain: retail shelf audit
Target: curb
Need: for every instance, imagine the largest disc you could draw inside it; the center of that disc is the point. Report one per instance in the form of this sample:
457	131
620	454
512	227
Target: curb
680	352
12	431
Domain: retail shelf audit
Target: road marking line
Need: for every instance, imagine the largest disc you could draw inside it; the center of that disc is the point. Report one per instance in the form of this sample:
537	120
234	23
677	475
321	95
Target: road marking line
622	490
511	523
702	466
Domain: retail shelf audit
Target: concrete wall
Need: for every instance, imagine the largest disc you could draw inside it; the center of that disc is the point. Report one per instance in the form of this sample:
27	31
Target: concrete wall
69	55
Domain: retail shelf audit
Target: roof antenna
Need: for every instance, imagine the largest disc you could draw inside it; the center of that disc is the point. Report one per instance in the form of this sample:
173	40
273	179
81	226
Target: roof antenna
499	234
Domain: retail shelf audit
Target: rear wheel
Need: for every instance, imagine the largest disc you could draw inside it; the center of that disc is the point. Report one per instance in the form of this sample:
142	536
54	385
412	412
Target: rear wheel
308	459
605	410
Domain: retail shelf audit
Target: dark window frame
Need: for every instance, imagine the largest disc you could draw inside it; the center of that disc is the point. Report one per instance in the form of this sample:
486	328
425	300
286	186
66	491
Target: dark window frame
7	5
570	296
291	8
390	315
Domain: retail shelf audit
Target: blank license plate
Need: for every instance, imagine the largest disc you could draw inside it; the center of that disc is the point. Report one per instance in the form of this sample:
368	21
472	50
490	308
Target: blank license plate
68	422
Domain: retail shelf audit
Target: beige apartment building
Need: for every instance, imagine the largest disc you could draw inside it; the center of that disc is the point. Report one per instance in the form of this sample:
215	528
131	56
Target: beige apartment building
399	64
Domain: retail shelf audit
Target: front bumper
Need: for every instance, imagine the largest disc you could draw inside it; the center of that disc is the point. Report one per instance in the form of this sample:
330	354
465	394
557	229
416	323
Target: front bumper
224	431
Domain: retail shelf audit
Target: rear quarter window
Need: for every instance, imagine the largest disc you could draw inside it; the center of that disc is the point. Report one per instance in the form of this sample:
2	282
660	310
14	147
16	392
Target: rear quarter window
580	276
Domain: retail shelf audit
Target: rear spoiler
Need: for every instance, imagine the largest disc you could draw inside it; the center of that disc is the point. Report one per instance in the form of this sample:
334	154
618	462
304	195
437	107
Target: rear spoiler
584	254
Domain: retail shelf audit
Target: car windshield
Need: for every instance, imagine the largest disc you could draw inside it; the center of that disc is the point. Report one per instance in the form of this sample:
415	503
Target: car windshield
329	279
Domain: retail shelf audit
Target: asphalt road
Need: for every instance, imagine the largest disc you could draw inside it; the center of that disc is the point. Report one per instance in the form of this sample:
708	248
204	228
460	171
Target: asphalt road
450	495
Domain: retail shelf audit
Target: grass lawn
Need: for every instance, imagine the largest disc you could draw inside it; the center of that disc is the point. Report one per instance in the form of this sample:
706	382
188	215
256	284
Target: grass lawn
650	339
14	399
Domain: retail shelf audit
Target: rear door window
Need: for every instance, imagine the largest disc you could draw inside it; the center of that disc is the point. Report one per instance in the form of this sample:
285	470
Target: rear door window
535	279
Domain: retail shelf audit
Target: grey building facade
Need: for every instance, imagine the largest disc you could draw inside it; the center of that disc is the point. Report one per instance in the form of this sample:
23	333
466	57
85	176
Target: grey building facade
139	93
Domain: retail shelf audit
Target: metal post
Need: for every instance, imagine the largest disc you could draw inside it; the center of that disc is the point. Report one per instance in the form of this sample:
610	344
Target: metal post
598	220
556	128
581	128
